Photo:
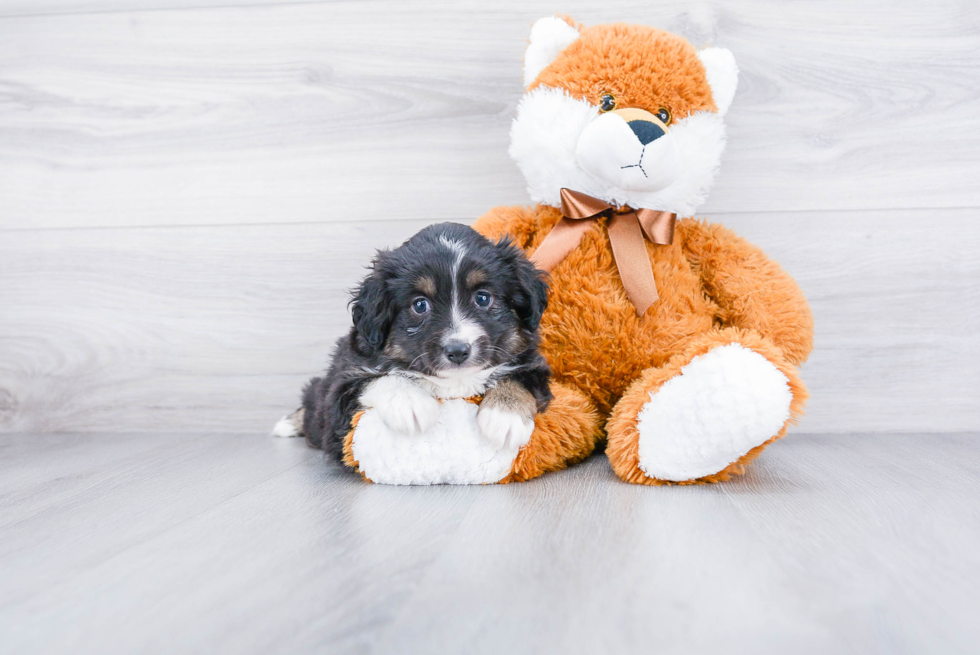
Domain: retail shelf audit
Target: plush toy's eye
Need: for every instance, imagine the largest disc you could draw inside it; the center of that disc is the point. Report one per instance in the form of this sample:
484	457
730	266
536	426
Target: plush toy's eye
607	102
482	299
420	306
664	116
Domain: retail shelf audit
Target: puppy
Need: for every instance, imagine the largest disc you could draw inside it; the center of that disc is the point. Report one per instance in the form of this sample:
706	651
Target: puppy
448	314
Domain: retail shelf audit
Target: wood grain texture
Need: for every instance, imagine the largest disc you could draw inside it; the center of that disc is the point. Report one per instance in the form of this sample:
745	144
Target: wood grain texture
345	111
189	187
52	7
221	325
217	328
235	543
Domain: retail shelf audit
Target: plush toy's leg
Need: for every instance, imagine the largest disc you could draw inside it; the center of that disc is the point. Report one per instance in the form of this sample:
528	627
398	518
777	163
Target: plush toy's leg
706	413
564	434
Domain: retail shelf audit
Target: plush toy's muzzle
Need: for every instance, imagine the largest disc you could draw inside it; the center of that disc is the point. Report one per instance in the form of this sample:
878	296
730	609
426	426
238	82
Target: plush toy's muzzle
629	148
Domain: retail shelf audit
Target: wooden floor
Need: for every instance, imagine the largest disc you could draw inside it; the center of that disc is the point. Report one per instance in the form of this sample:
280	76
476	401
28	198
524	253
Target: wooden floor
125	543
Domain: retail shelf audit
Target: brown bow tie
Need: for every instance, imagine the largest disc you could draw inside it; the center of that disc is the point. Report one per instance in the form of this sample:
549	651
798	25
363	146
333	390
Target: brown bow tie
626	229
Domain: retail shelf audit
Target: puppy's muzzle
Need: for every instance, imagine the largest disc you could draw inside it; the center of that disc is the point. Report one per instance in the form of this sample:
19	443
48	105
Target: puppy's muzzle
457	352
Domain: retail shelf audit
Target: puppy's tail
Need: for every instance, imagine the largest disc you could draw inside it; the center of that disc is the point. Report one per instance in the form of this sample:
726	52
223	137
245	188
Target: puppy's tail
291	425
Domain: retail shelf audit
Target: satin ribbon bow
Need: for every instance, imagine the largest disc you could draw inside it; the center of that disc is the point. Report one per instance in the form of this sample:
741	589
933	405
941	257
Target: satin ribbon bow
626	229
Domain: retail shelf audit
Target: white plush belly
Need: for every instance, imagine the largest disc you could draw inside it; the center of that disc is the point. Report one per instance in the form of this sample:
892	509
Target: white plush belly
452	452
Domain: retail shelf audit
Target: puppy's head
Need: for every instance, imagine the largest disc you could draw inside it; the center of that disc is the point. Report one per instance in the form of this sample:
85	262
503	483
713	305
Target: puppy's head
449	303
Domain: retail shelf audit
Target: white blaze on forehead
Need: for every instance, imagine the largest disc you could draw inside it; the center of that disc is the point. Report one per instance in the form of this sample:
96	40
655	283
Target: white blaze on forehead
461	328
454	246
458	251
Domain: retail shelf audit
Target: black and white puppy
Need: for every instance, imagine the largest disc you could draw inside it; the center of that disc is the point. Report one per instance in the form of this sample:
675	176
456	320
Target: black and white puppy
447	314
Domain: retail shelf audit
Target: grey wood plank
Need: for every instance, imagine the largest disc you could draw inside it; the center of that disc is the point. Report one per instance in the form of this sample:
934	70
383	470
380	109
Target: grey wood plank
832	543
206	317
857	523
55	528
347	111
315	548
217	328
31	463
22	8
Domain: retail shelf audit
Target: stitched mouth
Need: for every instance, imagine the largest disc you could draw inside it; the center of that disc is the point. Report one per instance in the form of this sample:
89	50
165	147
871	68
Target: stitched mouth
638	164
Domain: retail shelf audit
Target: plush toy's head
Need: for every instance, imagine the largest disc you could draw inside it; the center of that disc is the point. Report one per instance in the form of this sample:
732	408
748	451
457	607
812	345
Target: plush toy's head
625	113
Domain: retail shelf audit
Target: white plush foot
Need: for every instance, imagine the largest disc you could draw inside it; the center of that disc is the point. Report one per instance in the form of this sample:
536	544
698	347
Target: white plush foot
722	405
452	452
504	429
401	404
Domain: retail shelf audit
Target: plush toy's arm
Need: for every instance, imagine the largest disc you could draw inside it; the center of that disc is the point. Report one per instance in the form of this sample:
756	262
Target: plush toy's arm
751	289
520	223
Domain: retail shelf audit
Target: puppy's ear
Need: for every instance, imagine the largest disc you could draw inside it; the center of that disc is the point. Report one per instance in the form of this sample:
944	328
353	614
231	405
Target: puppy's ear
373	310
530	291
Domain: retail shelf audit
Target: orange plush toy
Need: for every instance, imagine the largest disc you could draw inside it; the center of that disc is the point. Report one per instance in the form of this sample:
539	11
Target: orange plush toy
675	336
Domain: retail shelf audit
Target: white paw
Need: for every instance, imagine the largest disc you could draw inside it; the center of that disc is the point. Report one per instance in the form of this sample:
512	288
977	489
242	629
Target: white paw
402	405
504	429
722	405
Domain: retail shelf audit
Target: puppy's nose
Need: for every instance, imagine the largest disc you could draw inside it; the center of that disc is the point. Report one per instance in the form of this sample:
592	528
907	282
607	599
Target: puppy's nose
457	352
646	131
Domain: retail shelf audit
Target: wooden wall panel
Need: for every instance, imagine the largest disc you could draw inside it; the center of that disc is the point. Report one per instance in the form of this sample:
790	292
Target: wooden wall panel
188	187
308	112
216	328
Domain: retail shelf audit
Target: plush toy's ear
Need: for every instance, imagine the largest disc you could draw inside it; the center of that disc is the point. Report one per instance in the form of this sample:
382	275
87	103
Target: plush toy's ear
722	75
373	310
549	36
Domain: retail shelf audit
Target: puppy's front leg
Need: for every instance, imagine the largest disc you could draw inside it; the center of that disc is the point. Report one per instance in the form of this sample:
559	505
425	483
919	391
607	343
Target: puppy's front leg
506	415
402	405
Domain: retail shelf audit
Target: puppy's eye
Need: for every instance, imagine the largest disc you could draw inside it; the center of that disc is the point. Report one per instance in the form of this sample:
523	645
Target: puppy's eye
664	115
482	299
607	102
420	306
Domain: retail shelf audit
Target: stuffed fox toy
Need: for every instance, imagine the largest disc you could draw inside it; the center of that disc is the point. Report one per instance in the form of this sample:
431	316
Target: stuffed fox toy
674	339
680	339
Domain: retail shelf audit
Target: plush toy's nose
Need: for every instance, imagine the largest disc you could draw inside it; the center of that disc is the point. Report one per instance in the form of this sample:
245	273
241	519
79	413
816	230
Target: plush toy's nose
646	131
630	148
646	126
